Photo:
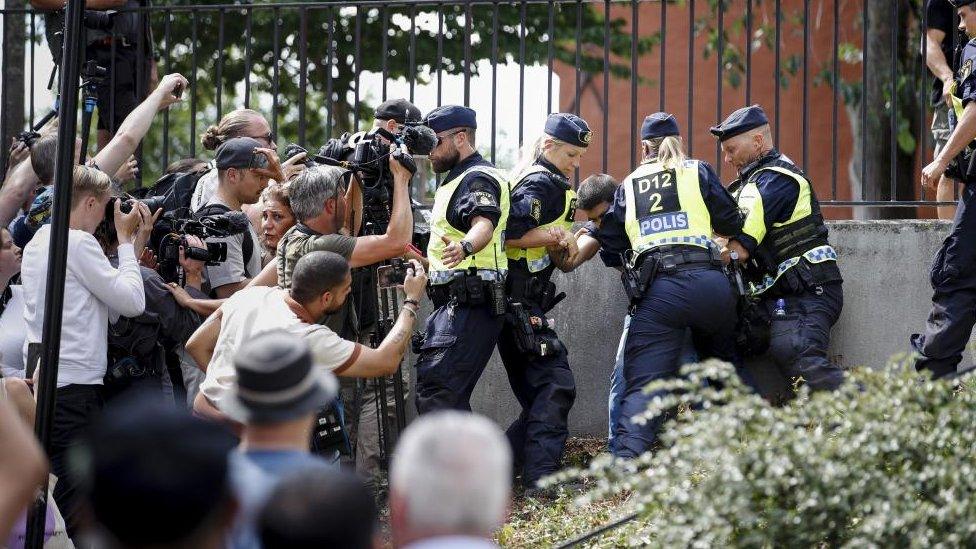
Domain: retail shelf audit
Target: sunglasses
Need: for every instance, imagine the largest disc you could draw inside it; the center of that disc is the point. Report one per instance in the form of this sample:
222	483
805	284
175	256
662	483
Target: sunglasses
269	137
445	136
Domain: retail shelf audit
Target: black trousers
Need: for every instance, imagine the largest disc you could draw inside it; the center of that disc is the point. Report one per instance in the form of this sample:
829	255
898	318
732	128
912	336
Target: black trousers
546	390
953	278
76	407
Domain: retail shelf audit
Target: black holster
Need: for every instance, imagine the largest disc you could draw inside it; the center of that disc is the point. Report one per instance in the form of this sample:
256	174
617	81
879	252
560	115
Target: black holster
531	338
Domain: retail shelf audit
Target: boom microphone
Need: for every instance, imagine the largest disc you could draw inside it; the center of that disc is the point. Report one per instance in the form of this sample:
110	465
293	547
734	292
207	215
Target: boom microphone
420	140
229	223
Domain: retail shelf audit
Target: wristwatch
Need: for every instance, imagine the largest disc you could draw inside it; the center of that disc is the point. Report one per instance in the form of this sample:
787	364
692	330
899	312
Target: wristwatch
467	248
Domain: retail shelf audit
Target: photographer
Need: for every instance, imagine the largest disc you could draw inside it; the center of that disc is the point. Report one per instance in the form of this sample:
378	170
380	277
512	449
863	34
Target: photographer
112	42
94	292
244	168
138	345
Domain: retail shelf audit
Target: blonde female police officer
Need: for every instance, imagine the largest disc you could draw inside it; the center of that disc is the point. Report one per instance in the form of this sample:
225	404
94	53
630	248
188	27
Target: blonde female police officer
661	225
467	264
543	206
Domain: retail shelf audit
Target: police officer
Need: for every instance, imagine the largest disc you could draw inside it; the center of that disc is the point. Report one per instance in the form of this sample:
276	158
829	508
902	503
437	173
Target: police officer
790	266
534	358
660	226
467	264
953	276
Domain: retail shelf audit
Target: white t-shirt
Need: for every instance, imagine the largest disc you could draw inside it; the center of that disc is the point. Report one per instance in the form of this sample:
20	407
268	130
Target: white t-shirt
234	269
13	331
205	189
94	292
259	309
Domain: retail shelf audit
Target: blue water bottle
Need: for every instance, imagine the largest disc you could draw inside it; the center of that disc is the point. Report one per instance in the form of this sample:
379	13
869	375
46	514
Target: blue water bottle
780	309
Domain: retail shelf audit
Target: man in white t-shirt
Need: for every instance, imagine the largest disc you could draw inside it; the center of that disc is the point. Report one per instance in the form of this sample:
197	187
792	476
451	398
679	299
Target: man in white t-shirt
244	168
320	284
94	293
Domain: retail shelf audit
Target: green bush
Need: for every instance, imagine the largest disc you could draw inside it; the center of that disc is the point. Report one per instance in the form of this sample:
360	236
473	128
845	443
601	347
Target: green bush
887	460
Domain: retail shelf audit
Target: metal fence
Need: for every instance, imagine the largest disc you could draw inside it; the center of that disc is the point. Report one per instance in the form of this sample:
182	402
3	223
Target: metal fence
844	81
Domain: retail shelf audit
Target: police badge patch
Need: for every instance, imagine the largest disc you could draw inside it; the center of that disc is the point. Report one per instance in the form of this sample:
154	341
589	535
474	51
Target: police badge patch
966	70
484	199
536	210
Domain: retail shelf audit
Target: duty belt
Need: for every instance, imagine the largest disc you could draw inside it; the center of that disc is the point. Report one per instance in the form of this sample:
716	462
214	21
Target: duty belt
816	255
674	259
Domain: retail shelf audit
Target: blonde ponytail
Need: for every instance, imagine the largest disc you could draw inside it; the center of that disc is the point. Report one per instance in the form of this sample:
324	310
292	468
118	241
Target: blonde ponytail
668	151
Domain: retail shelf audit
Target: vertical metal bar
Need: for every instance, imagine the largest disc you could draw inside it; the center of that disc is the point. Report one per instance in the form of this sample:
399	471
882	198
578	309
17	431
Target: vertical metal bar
748	52
634	24
440	50
579	54
551	54
778	72
662	78
893	114
521	124
494	79
248	27
167	62
220	63
719	83
303	72
276	72
331	48
691	78
385	48
358	60
604	137
864	91
836	84
806	86
413	49
467	53
33	30
195	65
113	123
923	134
58	252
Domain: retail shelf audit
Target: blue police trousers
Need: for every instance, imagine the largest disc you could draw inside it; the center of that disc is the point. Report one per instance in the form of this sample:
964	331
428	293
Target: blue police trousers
545	389
701	300
800	338
459	343
953	278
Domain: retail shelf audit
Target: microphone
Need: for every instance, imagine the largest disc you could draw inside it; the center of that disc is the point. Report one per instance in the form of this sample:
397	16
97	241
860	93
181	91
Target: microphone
420	140
228	223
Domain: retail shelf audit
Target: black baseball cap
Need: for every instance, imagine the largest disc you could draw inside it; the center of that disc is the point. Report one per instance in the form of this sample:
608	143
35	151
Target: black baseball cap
400	110
239	153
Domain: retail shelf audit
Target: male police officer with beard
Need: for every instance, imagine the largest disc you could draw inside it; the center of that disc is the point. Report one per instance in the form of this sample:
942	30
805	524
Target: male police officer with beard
467	264
790	265
660	226
953	276
543	206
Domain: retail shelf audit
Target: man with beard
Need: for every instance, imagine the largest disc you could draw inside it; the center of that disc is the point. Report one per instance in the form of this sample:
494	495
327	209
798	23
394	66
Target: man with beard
467	264
320	284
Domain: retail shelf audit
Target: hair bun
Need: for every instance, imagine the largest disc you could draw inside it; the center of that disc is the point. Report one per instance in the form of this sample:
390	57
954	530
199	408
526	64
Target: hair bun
211	139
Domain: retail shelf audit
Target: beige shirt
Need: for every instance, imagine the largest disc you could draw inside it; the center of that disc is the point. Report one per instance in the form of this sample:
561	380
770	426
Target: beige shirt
256	310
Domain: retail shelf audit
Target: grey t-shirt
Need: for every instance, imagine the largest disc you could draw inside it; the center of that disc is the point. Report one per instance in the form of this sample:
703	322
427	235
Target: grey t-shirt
234	270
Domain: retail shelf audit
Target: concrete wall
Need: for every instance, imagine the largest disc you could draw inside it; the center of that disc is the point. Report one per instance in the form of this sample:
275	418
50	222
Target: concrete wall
886	291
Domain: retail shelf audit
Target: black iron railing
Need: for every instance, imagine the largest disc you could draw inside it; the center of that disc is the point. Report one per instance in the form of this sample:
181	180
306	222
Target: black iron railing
844	81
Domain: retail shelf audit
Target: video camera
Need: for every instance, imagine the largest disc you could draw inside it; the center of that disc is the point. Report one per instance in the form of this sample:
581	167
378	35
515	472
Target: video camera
214	226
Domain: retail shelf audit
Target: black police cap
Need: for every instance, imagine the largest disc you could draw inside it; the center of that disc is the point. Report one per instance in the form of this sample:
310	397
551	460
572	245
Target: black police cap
739	122
447	117
961	3
569	128
659	124
400	110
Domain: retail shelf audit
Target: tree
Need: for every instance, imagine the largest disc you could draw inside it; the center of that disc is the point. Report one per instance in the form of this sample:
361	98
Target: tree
342	41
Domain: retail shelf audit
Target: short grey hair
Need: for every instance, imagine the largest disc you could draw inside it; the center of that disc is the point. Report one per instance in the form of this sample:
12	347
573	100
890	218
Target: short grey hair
312	189
454	471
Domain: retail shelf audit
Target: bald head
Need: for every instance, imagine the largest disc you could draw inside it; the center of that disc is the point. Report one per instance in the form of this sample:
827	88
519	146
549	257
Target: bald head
747	147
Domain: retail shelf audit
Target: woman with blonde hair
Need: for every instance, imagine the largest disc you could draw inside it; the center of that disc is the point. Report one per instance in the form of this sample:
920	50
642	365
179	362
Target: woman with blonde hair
543	206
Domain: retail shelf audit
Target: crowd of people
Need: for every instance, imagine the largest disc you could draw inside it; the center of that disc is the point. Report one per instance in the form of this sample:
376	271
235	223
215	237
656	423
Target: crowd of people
217	334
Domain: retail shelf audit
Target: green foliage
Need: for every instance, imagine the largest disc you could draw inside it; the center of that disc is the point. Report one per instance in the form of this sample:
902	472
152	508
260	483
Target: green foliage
885	461
411	49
